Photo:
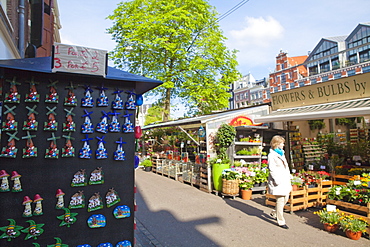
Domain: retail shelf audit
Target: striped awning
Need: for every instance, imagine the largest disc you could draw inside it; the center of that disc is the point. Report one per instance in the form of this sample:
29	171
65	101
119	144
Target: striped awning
350	108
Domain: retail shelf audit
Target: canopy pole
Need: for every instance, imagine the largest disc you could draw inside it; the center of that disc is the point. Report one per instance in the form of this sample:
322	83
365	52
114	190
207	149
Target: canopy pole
188	135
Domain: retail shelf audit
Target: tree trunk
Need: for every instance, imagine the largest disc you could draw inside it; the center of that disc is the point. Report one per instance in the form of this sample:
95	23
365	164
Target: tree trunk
167	105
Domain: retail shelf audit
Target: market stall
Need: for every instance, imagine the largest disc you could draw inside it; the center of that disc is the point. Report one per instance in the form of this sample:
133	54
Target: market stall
67	152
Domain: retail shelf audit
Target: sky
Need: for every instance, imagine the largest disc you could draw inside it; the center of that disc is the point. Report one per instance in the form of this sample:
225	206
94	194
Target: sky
259	29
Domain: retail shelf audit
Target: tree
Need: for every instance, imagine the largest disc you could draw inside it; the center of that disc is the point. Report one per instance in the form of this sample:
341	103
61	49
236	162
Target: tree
154	115
179	43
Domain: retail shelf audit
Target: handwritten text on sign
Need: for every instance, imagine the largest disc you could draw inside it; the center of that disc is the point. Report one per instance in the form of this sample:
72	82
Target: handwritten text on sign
77	59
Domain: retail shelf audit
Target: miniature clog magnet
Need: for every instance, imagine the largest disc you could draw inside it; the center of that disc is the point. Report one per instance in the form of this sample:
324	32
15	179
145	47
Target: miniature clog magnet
4	187
58	243
95	202
16	178
68	218
87	100
77	200
85	151
114	125
125	243
34	230
118	102
119	154
97	221
87	127
103	99
102	126
105	245
101	151
38	208
97	176
53	96
112	198
84	245
10	124
60	199
11	231
122	211
33	95
13	96
79	178
27	212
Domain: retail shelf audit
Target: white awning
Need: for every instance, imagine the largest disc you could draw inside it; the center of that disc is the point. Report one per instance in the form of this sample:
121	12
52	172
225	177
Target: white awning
350	108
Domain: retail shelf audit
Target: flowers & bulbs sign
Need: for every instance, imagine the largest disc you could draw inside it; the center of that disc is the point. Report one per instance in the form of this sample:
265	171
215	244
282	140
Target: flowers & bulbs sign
78	59
353	87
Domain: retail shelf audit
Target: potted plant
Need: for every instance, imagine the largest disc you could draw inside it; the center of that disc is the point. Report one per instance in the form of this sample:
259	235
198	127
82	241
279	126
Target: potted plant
353	227
330	219
246	184
230	181
147	164
296	182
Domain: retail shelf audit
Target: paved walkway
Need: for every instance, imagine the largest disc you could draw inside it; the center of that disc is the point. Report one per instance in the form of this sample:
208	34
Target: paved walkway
173	214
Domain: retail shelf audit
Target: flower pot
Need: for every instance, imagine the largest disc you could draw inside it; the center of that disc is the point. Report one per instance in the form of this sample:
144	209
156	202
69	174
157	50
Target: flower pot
217	173
331	228
294	187
246	194
147	168
230	187
353	235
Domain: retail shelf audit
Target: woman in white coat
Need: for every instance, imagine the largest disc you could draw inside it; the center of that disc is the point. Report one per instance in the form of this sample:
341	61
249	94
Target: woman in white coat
279	183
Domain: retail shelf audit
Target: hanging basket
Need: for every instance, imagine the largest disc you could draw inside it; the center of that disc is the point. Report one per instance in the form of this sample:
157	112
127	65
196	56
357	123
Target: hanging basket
230	187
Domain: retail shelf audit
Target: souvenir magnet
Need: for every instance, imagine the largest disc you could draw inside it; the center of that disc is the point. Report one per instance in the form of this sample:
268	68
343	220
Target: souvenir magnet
31	124
97	221
101	151
34	230
118	102
4	181
119	154
77	200
13	96
27	212
85	151
68	150
122	211
10	124
102	126
52	152
10	151
105	245
70	100
79	178
33	96
87	101
52	124
128	127
16	178
69	125
11	231
30	150
97	176
87	127
84	245
112	198
68	218
53	96
38	208
114	126
95	202
103	99
125	243
130	103
60	199
58	243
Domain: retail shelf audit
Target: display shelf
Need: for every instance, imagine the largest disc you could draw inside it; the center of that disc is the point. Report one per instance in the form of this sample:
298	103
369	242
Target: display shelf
312	151
296	152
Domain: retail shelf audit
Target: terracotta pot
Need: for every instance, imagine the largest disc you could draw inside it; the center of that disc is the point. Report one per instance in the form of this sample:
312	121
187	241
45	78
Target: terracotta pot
246	194
331	228
353	235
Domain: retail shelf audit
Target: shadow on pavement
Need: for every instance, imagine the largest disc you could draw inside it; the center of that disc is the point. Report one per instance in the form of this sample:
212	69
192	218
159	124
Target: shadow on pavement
162	228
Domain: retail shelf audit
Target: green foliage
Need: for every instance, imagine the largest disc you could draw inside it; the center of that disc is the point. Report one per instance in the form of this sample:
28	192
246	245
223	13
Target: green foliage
146	163
349	122
329	217
349	222
229	174
316	124
154	115
225	135
179	43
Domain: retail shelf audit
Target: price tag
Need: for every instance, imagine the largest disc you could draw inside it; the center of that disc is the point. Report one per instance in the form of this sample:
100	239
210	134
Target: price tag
322	167
310	167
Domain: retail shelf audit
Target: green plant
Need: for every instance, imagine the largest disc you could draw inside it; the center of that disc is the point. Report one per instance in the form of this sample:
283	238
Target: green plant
349	222
225	135
349	122
296	180
261	176
146	163
329	217
246	183
230	174
316	124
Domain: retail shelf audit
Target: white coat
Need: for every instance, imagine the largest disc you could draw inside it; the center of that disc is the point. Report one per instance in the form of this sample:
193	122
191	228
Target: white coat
279	179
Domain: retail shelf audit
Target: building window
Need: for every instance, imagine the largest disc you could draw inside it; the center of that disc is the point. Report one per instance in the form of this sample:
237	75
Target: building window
351	72
292	85
283	87
324	78
337	75
366	69
301	84
313	81
276	89
283	78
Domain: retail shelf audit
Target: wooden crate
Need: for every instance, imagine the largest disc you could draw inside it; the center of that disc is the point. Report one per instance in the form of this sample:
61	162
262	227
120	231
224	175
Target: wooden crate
297	200
340	179
313	197
356	210
325	187
205	178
